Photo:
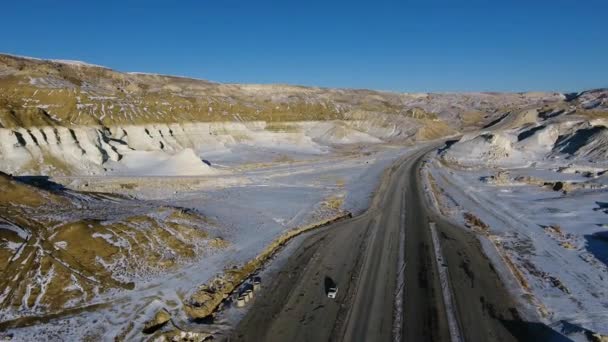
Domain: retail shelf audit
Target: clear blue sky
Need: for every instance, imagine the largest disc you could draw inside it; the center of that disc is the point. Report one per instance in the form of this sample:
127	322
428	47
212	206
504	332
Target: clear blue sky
459	45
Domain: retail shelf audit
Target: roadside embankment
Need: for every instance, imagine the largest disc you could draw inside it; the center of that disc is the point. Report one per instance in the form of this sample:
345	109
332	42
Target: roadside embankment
208	297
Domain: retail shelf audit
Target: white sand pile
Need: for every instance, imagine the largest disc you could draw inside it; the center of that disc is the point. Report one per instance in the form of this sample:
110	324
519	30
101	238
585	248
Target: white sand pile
336	133
155	163
491	148
537	141
283	141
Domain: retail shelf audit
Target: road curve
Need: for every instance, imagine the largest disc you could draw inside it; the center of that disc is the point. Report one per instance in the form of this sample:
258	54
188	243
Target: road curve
362	256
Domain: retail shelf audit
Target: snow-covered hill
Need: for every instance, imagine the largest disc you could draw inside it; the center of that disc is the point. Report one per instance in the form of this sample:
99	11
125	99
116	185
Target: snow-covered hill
70	118
557	135
533	187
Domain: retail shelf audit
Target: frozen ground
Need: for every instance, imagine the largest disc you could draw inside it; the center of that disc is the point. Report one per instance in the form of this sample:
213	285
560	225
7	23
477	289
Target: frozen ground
555	241
230	315
258	193
535	185
257	160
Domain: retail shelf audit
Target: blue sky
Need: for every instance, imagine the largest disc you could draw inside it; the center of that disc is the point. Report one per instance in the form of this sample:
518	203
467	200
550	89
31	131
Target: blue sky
508	45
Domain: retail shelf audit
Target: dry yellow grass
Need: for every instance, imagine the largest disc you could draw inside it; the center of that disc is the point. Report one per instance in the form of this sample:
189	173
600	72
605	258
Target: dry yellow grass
281	127
66	262
25	105
475	222
433	129
593	114
471	118
334	202
15	192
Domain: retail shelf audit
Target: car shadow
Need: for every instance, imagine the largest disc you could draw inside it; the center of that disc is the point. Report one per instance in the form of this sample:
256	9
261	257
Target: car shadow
329	283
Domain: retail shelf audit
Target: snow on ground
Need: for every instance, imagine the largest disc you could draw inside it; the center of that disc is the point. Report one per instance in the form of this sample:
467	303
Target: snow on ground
560	138
557	240
251	202
76	63
535	185
231	314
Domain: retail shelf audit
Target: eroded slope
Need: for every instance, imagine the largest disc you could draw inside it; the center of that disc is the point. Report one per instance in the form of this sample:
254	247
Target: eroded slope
61	118
61	249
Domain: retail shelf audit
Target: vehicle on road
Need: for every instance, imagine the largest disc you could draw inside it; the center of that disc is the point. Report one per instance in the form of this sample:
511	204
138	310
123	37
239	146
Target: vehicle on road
332	293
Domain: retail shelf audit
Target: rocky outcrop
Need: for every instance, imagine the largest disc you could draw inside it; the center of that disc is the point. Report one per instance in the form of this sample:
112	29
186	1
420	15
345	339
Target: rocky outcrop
62	117
574	139
161	318
99	150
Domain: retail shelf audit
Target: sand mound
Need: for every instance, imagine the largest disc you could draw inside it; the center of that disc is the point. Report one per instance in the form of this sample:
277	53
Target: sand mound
489	147
538	139
155	163
338	133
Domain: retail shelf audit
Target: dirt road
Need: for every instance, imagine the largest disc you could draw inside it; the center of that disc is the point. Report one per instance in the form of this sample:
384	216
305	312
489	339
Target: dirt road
362	255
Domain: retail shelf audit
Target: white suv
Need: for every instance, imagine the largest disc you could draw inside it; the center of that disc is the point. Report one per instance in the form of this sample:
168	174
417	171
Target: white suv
332	293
